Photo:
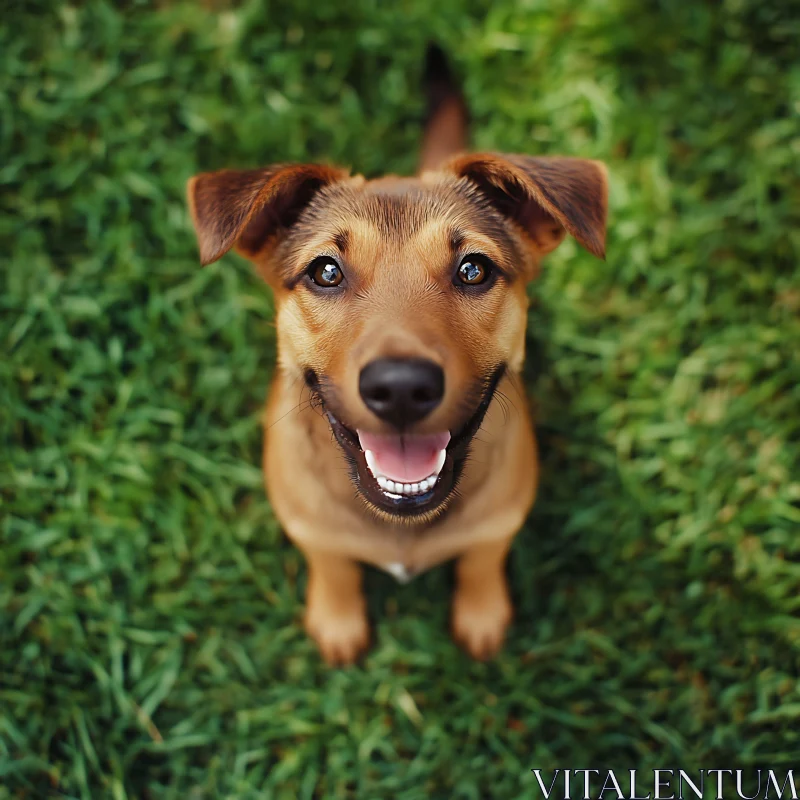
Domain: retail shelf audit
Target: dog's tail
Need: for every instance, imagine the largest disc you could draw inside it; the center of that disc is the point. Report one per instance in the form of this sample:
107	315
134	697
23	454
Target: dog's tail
448	118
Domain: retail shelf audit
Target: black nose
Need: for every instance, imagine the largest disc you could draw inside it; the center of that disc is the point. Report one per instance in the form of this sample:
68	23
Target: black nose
401	391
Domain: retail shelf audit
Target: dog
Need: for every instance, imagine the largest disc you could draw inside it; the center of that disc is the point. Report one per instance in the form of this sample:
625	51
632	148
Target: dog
401	306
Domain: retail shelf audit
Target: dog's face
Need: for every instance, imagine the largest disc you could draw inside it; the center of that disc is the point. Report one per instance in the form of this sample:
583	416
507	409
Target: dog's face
402	302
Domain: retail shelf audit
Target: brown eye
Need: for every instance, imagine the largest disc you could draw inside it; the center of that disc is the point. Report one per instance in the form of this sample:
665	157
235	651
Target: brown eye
474	270
325	272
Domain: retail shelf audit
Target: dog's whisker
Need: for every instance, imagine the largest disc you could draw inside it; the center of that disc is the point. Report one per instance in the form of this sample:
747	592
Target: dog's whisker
517	385
301	406
506	405
283	416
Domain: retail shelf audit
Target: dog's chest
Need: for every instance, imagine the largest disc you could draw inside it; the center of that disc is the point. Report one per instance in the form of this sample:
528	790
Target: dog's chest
399	571
404	556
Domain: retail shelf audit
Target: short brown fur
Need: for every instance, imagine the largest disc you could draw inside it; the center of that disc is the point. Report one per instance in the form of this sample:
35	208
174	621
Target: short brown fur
399	241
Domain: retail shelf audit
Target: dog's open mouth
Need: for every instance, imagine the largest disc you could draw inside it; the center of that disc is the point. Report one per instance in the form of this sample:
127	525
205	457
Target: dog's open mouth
410	474
404	465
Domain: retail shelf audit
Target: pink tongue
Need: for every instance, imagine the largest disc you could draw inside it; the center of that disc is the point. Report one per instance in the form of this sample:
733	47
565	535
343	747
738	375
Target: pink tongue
404	458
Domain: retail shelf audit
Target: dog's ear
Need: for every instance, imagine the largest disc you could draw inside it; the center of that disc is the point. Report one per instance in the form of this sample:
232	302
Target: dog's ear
546	196
247	208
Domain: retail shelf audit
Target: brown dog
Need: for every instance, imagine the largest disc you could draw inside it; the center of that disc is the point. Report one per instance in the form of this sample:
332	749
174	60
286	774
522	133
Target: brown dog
401	306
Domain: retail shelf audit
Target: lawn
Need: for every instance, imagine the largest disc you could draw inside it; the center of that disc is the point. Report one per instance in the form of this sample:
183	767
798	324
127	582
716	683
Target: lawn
151	643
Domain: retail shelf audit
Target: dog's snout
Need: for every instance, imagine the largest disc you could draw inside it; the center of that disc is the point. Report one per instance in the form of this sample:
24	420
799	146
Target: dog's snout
401	391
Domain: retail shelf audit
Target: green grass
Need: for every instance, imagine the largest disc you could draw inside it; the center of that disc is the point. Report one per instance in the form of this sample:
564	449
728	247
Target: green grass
150	609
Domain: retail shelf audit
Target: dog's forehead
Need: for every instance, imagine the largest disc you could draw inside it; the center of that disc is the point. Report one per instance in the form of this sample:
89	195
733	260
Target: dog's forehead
414	198
400	207
399	211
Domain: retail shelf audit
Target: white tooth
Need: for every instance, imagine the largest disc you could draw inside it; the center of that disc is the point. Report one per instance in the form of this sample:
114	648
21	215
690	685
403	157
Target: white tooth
382	482
440	462
407	488
415	488
370	458
391	486
423	485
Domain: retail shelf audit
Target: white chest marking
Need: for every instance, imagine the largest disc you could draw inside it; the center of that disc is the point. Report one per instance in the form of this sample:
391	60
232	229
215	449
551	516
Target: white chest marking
398	571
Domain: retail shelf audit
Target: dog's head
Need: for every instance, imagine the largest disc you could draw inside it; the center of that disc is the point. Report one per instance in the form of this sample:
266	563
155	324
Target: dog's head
401	302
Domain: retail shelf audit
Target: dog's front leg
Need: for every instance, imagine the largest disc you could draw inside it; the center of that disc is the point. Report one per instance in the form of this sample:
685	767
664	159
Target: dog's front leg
336	614
481	605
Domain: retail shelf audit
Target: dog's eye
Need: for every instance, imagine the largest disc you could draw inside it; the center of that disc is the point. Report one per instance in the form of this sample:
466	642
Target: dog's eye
325	272
474	270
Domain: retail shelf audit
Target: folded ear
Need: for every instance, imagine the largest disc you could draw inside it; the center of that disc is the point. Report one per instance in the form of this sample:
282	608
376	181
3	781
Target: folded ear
246	208
546	196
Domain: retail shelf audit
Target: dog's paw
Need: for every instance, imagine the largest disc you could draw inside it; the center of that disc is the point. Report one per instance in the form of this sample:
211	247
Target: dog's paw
341	637
480	622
